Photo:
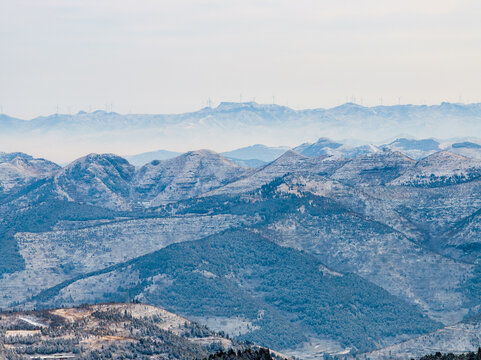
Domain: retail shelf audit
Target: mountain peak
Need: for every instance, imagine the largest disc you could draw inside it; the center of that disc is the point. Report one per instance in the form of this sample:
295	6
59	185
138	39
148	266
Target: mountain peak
257	151
323	146
201	152
250	106
92	158
349	105
392	154
466	144
187	175
100	179
5	157
289	156
414	144
444	156
205	155
19	169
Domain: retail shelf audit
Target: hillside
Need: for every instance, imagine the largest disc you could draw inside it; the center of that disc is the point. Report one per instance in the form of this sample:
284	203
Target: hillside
460	338
253	285
185	176
106	331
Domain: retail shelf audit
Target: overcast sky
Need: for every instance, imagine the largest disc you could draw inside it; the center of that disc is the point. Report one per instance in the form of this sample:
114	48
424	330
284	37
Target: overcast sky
162	56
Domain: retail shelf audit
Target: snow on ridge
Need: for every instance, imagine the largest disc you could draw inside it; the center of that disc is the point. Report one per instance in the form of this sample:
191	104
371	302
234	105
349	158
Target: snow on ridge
443	167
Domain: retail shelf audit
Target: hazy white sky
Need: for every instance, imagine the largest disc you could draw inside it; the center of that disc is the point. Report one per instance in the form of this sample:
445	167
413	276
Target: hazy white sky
162	56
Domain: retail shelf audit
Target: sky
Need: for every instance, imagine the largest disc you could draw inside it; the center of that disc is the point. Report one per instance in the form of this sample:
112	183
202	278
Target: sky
163	56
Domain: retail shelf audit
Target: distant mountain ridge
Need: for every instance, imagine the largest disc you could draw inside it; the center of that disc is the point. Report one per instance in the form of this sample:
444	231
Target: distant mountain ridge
258	155
250	156
232	125
274	111
258	151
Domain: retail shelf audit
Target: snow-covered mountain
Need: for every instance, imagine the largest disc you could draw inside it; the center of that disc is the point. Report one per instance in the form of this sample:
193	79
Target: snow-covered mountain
440	169
157	332
110	181
378	168
185	176
325	146
19	169
289	162
99	179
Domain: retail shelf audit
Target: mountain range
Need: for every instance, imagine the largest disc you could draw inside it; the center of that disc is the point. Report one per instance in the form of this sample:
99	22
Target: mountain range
319	251
230	126
258	155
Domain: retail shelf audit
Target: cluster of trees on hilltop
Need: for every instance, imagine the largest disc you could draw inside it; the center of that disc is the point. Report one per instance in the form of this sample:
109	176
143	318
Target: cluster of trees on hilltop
467	356
141	338
248	354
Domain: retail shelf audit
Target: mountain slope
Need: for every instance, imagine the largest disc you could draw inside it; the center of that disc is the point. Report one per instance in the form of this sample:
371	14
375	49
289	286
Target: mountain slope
289	162
374	169
351	230
459	338
18	169
441	169
323	146
106	331
247	280
56	241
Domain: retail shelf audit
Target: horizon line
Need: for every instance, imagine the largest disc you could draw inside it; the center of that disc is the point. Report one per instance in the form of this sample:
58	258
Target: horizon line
224	103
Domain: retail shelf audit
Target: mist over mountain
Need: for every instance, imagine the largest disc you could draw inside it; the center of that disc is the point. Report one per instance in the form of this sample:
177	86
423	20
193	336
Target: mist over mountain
258	151
230	126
